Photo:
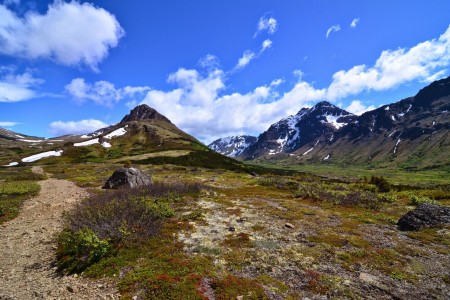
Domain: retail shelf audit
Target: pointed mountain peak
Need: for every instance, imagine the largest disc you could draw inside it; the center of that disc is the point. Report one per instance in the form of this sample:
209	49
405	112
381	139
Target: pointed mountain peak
144	112
324	104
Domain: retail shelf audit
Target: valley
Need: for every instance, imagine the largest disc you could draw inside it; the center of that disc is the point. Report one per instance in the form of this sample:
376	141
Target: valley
282	225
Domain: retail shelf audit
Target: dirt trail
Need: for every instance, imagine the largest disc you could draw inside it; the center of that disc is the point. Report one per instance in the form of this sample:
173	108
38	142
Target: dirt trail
27	249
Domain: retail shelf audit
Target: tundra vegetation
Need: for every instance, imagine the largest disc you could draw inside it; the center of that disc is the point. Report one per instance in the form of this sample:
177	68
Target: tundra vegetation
197	232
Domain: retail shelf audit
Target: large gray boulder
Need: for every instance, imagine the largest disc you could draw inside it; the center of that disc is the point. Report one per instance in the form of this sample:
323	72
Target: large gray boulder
127	178
425	215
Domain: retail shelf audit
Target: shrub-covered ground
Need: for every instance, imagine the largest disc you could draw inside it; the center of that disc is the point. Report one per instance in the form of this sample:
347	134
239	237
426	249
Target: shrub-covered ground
16	185
260	237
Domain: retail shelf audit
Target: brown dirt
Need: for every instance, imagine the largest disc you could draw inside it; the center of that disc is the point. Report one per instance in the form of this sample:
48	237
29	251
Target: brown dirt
27	249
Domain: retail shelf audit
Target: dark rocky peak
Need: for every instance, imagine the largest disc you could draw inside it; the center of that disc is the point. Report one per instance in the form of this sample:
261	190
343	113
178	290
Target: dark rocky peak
434	91
326	108
144	112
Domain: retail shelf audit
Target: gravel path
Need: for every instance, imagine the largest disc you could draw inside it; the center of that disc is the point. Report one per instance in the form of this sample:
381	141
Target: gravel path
27	249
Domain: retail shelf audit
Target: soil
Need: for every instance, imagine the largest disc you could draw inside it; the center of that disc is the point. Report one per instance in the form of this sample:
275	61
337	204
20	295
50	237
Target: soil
28	244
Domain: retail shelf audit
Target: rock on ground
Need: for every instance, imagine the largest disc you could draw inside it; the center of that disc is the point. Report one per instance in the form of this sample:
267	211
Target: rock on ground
127	178
424	215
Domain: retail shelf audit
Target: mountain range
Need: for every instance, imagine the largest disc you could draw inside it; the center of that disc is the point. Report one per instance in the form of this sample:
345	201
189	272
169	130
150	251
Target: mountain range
412	133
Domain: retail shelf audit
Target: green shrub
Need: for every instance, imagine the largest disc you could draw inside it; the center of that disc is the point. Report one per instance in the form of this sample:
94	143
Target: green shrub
416	200
339	194
387	198
78	250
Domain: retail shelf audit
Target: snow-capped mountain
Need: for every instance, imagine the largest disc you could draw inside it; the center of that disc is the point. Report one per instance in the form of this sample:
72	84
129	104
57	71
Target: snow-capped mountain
413	133
309	125
232	146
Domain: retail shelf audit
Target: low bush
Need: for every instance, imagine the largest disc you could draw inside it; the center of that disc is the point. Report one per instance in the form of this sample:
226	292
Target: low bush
278	182
381	183
338	194
80	249
113	219
387	198
416	200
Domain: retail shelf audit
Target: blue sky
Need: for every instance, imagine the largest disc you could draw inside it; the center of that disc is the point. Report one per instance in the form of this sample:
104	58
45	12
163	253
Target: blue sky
215	68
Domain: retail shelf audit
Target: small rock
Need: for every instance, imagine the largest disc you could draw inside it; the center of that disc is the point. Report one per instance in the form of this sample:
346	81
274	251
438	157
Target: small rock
241	220
231	228
134	298
71	289
368	278
239	297
289	225
100	286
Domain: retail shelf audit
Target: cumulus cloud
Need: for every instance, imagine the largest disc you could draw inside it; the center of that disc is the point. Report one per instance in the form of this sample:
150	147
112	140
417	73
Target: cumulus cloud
354	23
334	28
267	24
63	34
358	108
394	67
199	104
59	128
8	124
197	107
101	92
17	87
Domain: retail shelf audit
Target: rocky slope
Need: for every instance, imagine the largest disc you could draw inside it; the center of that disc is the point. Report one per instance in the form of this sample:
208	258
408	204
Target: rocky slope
143	136
308	126
232	146
412	133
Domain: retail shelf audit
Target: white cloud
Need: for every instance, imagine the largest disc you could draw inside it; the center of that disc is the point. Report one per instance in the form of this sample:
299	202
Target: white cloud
59	128
101	92
17	87
199	105
266	45
354	23
209	62
64	34
394	67
8	124
246	58
334	28
358	108
196	106
268	24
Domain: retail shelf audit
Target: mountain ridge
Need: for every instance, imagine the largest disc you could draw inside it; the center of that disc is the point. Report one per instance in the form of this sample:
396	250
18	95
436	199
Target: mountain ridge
411	133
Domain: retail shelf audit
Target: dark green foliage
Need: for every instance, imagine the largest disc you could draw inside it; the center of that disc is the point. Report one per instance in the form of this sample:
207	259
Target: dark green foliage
381	183
212	160
80	249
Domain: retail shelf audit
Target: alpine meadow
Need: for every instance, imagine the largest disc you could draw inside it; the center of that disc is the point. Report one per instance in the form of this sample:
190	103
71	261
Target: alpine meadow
220	150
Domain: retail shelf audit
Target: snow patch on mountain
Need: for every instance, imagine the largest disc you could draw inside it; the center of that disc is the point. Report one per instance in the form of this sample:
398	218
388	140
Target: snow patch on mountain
42	155
232	146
